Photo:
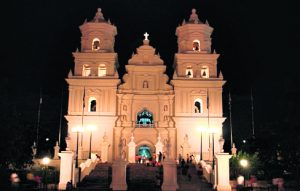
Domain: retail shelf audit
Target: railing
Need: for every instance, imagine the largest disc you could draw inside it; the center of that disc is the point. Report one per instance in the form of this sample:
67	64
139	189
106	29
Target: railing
207	172
86	167
144	125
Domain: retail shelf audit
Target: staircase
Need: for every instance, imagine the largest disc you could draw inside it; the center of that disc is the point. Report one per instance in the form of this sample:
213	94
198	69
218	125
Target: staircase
143	177
99	178
139	177
190	180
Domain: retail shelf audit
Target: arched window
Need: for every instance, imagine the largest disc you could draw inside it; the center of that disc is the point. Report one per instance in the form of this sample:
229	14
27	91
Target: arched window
198	106
86	70
92	104
196	45
189	72
96	44
102	70
144	118
204	72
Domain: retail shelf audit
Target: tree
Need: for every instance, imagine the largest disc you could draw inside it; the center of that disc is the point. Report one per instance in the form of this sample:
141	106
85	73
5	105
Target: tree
254	167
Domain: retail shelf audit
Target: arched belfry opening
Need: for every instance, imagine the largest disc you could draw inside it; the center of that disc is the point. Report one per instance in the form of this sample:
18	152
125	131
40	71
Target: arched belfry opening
204	72
96	44
144	118
92	104
198	106
86	70
101	70
196	45
189	72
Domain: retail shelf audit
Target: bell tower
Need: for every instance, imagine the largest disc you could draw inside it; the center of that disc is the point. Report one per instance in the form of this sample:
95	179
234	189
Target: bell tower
198	88
93	86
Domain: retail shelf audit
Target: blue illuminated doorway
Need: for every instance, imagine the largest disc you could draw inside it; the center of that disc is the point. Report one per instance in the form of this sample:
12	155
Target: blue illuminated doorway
144	151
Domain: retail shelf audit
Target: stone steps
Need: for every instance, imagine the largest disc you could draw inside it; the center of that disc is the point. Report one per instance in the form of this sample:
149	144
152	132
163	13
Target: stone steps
193	182
139	177
142	177
99	179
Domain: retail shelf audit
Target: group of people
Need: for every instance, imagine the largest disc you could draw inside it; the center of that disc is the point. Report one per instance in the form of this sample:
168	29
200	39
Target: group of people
189	159
32	181
185	165
151	160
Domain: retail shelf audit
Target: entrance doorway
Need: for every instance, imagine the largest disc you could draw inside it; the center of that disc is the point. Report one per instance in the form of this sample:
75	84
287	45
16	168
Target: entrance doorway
144	152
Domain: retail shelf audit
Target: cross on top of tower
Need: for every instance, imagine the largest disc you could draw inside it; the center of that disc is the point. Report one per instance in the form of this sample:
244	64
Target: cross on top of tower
194	17
146	36
98	16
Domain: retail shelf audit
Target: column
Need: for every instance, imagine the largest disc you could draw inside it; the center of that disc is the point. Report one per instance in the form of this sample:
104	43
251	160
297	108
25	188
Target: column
223	172
119	175
158	147
104	149
56	151
170	172
185	147
66	162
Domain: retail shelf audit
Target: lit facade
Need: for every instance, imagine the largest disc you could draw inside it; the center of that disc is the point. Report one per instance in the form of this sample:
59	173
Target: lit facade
145	106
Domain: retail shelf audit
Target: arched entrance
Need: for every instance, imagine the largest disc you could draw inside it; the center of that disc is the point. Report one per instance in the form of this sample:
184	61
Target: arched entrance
144	151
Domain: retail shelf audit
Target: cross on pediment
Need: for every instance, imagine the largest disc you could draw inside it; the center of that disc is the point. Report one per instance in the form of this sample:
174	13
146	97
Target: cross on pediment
146	36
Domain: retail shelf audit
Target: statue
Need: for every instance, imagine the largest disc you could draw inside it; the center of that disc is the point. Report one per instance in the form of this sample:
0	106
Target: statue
167	148
194	17
186	138
221	144
33	148
233	150
56	150
123	148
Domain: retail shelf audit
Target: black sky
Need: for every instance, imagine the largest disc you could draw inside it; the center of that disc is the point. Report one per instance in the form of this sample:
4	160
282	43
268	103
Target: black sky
255	40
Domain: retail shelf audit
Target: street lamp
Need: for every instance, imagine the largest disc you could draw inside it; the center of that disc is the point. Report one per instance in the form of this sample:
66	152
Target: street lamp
244	163
91	128
212	131
45	162
77	130
201	130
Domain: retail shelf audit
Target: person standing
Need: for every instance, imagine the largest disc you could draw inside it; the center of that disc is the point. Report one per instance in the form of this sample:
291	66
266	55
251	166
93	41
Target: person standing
159	156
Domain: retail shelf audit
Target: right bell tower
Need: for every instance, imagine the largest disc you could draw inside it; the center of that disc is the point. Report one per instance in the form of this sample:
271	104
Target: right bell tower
198	88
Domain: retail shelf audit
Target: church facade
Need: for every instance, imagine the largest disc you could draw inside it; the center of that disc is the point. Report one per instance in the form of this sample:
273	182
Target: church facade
146	114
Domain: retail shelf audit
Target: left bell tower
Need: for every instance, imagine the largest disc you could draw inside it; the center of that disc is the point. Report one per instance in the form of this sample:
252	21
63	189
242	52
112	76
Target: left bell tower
92	87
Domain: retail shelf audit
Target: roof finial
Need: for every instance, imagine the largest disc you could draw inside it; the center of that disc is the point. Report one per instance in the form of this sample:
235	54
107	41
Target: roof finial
194	17
146	36
206	22
221	75
98	16
70	74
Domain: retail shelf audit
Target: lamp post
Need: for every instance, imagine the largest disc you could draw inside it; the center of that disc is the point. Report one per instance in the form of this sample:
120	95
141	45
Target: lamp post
213	131
91	128
244	164
77	130
201	130
45	162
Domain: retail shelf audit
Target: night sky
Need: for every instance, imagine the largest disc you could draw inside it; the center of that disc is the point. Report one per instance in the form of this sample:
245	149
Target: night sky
256	41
